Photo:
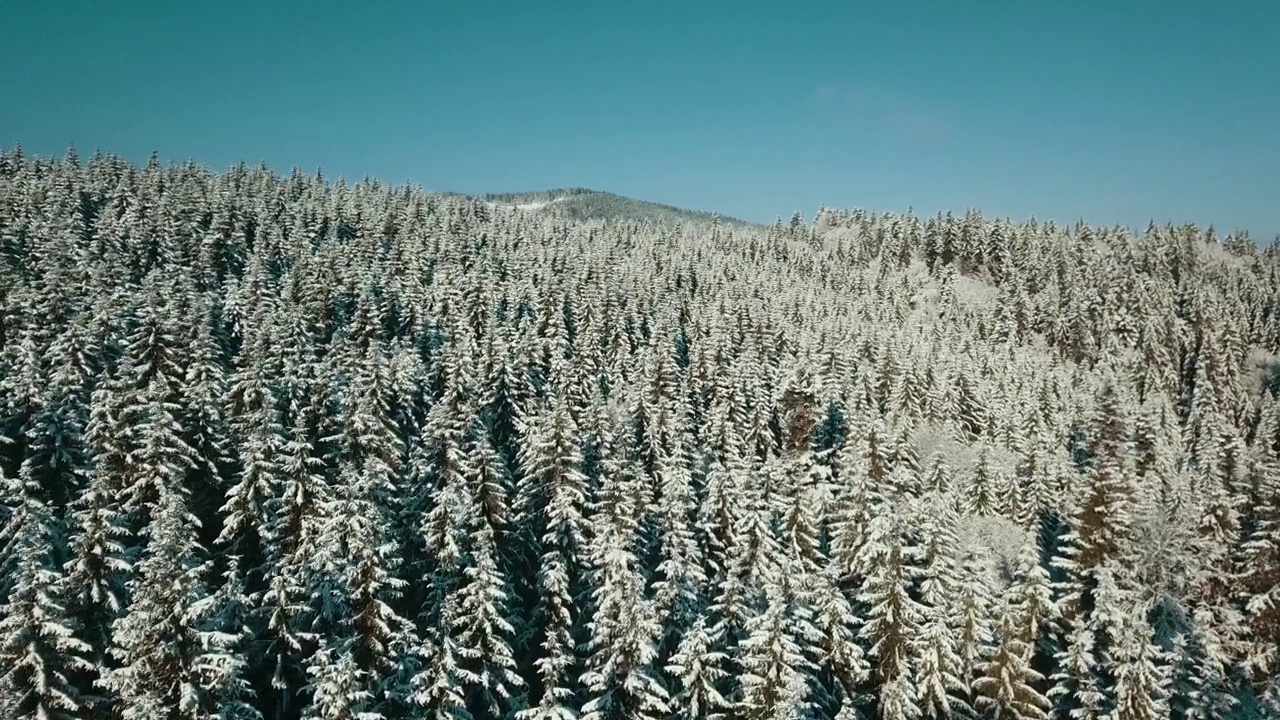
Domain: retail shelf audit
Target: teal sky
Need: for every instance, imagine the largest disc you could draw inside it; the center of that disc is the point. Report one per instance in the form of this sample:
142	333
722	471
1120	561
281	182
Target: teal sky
1118	111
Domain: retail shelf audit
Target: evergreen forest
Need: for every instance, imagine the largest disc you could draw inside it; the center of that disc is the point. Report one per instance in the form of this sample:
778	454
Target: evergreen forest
283	447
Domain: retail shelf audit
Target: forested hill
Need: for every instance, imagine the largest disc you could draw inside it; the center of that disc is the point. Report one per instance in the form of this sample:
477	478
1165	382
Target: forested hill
280	448
585	205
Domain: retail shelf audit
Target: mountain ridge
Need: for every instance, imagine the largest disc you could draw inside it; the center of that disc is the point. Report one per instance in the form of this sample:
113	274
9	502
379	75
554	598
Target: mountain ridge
580	203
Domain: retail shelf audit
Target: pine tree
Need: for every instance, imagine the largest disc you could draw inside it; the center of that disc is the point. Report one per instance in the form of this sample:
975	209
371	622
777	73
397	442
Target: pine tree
775	671
620	677
1198	686
339	688
840	666
350	575
486	665
1005	687
893	616
1260	562
942	675
351	585
1076	692
97	569
973	617
169	658
967	409
260	433
1102	527
679	582
981	496
1030	598
294	531
1141	686
851	517
940	668
552	496
938	476
40	655
698	669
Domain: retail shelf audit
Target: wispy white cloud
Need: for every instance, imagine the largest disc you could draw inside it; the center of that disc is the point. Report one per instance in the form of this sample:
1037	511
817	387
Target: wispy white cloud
906	115
921	125
826	94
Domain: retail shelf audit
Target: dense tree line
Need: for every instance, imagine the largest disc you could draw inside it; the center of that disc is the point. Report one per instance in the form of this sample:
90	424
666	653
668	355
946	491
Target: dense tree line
278	447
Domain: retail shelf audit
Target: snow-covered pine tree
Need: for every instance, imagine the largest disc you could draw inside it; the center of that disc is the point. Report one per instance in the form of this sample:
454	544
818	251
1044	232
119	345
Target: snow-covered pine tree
1102	526
350	573
1030	598
840	667
973	617
260	437
1005	686
41	658
339	688
294	531
171	659
889	566
985	491
620	675
97	567
486	664
941	673
775	671
698	669
1076	691
551	498
1141	688
246	526
851	517
1199	686
679	581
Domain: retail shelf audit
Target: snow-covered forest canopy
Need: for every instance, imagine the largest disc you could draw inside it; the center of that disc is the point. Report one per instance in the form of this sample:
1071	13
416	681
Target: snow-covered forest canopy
280	447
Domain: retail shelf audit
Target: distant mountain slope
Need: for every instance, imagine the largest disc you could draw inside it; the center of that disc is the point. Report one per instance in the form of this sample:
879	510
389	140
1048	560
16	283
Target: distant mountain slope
587	204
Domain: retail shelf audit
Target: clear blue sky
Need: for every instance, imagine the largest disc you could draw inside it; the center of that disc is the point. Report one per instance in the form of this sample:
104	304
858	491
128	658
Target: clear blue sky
1115	111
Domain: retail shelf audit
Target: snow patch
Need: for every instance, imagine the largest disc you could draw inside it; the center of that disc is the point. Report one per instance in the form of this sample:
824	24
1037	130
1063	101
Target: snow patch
997	540
538	204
